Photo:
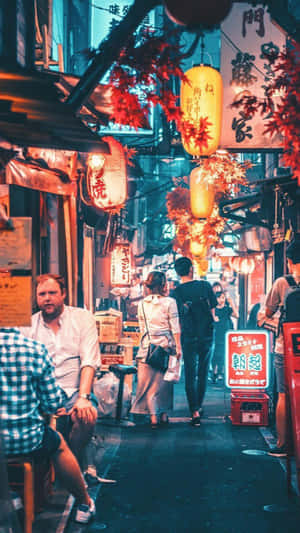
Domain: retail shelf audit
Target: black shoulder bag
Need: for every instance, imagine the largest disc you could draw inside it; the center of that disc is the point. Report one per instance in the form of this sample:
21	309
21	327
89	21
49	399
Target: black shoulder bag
157	357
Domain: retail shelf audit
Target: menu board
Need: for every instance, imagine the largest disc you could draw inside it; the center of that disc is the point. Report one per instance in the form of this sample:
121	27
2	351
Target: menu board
15	301
15	245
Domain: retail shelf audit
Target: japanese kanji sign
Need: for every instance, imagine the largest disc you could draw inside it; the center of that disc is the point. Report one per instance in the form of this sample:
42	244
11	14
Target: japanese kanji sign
247	360
249	44
120	266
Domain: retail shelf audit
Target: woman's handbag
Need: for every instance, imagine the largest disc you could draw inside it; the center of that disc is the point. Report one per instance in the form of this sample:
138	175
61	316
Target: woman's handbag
157	357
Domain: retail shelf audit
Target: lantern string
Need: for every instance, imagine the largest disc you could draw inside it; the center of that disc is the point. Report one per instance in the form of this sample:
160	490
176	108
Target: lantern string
202	47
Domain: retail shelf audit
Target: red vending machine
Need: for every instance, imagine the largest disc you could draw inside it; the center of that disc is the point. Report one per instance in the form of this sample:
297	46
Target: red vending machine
247	374
291	335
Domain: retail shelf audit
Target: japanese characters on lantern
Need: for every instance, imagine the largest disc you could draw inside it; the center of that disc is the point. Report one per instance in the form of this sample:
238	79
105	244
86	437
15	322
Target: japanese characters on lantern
201	100
120	266
106	179
247	360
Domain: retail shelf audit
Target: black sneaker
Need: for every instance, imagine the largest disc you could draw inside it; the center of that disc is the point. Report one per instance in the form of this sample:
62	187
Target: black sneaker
276	451
195	422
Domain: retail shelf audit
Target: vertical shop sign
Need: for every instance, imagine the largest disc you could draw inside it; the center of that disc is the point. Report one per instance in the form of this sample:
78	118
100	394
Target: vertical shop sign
247	360
250	43
120	267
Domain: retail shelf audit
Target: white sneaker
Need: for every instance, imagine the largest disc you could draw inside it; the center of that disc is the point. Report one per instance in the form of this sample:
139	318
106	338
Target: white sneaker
84	512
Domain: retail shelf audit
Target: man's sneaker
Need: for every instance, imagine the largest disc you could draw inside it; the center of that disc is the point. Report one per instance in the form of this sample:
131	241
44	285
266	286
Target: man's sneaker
84	513
277	451
195	422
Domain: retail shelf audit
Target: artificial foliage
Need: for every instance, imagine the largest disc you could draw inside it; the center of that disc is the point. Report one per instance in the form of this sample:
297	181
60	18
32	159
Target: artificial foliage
281	105
227	176
148	63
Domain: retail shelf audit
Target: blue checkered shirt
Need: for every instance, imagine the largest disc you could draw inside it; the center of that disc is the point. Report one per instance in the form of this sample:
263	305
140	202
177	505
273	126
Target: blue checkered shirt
27	389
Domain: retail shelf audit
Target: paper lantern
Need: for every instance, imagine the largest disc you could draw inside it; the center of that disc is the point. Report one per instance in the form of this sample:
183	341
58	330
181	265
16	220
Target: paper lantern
201	97
120	265
197	249
202	194
202	267
242	265
106	179
197	12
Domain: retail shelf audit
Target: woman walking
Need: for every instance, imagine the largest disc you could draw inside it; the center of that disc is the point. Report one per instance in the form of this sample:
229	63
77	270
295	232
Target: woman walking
159	324
223	323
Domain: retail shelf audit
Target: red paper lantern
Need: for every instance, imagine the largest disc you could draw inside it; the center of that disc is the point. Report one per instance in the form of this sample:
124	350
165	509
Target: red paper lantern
202	194
197	12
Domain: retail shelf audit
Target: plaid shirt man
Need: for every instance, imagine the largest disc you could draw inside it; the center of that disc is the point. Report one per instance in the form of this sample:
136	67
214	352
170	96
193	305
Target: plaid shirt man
27	389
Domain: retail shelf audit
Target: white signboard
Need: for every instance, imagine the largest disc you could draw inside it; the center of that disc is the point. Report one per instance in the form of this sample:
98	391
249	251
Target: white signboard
248	39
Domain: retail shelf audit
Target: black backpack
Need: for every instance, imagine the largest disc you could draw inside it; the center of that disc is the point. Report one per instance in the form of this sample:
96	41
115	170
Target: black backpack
195	314
291	309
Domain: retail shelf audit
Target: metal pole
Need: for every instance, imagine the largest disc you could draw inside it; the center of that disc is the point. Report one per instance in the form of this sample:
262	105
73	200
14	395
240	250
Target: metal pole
108	52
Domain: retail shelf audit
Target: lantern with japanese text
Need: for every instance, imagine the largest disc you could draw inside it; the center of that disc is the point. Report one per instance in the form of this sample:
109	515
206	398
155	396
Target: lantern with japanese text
106	179
201	100
120	265
197	12
202	194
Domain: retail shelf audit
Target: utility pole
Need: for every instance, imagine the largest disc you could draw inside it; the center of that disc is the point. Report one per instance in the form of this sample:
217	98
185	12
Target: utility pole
109	51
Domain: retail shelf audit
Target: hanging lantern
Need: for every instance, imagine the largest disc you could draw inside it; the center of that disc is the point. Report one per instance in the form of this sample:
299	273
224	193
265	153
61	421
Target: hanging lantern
198	249
202	194
201	98
106	178
202	267
120	265
197	12
247	266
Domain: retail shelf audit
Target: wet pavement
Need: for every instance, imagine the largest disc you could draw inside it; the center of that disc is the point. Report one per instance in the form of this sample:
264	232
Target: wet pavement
177	479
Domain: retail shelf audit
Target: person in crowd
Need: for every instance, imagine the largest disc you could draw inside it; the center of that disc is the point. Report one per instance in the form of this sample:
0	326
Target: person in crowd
223	322
159	324
135	295
70	335
29	388
275	301
218	287
196	301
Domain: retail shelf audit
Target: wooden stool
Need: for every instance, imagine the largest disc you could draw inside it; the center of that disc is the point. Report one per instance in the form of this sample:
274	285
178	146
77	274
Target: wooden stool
25	486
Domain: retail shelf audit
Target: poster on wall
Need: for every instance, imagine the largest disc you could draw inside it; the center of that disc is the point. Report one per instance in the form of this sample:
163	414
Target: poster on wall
247	360
249	40
120	265
15	245
15	298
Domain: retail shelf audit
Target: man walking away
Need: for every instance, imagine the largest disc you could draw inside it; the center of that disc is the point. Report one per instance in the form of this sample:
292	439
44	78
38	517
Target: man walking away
195	301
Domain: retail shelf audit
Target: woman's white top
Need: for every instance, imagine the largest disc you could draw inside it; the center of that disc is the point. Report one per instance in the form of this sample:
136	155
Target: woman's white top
162	321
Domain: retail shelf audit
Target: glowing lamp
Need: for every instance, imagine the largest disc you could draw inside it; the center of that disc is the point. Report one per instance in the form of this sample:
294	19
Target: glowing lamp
202	194
197	249
202	267
242	265
193	13
201	97
106	178
120	265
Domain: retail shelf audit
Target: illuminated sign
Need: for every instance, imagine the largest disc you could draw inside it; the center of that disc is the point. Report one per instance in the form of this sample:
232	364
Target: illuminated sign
247	360
120	266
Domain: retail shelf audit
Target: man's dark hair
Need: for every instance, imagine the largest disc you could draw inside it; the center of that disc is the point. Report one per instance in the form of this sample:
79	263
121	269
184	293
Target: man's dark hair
56	277
183	266
293	250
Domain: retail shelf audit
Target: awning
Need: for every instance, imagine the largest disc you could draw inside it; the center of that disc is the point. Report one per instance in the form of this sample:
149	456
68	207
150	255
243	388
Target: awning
31	114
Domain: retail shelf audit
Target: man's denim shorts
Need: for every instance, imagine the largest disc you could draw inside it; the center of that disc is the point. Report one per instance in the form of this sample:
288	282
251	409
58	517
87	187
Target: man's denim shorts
50	444
279	370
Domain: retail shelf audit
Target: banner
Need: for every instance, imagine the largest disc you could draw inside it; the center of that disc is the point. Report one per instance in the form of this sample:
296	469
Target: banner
247	360
248	41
